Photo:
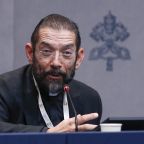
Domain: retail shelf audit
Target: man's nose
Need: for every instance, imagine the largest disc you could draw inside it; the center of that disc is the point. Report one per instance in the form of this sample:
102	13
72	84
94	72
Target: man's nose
56	61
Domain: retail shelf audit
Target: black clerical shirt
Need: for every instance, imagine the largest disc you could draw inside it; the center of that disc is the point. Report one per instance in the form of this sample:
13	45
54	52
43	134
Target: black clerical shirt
54	107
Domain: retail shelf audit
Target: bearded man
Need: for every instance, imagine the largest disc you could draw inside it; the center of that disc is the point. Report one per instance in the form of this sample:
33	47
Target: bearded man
33	99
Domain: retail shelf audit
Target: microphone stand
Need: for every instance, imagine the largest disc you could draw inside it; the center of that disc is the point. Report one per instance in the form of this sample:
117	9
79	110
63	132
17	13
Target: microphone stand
66	89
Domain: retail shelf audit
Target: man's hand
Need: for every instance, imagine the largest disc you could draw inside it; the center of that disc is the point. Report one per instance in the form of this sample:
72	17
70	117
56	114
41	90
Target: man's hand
69	124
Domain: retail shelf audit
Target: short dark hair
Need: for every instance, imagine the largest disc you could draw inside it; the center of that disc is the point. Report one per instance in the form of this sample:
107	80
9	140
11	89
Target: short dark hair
57	22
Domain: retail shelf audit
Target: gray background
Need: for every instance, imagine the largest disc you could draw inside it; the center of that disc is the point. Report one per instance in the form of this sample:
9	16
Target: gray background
121	90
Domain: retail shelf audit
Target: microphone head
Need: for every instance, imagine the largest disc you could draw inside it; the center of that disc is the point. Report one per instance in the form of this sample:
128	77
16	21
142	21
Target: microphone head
66	88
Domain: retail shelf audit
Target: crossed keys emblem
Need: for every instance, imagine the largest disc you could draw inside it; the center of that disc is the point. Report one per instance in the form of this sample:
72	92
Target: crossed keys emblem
110	33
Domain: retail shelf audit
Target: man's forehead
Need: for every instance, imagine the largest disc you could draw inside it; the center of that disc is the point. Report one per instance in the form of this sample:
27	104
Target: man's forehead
61	32
57	36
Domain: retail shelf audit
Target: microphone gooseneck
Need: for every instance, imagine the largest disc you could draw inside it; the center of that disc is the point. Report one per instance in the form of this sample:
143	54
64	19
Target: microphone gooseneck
66	89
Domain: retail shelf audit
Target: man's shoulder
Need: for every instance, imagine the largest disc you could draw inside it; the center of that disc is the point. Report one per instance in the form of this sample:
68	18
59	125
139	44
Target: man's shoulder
13	79
83	88
14	74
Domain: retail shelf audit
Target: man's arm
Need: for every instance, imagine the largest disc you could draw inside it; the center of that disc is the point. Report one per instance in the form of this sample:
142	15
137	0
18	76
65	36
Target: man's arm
65	126
9	127
6	125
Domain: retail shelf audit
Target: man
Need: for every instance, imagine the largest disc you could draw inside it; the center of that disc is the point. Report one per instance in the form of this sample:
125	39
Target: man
32	98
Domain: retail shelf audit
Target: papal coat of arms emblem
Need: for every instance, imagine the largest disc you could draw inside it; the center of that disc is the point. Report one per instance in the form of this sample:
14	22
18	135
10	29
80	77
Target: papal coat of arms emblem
110	33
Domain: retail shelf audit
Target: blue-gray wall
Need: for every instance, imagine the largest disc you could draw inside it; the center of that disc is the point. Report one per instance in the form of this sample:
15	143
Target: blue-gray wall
121	90
6	35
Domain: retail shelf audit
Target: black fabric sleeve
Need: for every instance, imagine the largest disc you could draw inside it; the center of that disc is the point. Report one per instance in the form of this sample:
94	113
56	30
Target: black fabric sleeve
9	127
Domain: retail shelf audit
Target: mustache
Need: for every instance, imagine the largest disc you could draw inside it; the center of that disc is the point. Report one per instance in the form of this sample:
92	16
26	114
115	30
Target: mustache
55	72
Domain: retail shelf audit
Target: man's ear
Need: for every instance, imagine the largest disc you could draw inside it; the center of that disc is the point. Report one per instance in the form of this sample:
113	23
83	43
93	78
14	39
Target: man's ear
80	56
29	52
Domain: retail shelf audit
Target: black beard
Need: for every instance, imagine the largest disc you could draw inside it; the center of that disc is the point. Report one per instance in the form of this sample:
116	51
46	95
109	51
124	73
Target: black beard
53	87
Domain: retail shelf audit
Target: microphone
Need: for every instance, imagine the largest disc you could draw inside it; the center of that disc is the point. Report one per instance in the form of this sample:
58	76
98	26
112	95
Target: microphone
66	89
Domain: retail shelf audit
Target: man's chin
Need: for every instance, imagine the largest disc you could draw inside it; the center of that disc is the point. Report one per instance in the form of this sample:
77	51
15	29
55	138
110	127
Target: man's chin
54	91
53	86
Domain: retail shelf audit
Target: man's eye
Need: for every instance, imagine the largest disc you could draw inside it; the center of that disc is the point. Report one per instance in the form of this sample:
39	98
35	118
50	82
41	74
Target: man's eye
67	53
46	52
